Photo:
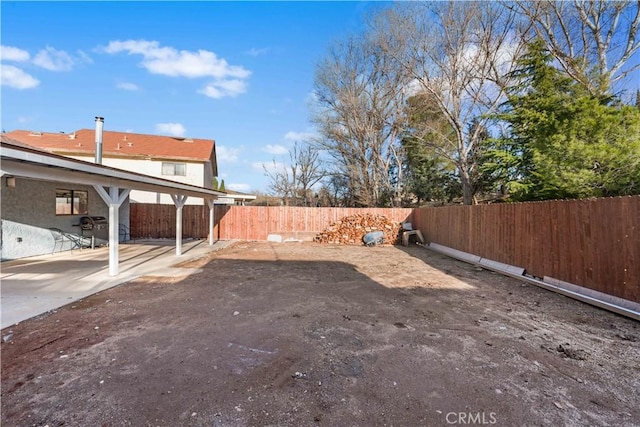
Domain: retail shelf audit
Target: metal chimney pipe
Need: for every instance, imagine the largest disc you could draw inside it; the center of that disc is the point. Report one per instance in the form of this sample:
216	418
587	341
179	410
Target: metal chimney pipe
99	127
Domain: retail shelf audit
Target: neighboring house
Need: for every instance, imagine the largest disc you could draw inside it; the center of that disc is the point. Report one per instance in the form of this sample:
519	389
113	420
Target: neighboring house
235	198
185	160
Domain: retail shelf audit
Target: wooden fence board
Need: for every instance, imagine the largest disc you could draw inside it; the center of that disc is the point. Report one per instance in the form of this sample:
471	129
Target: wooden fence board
593	243
243	222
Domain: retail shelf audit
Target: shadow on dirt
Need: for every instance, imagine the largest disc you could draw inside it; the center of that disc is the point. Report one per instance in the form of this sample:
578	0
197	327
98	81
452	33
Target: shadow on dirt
249	334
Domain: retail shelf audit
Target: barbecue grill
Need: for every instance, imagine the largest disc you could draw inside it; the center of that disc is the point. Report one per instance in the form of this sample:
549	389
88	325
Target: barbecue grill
93	222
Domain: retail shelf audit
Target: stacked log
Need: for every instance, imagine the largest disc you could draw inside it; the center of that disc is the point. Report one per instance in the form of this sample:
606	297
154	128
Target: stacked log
351	229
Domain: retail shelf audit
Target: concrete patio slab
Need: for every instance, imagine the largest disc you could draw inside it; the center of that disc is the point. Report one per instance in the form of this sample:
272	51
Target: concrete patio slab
30	287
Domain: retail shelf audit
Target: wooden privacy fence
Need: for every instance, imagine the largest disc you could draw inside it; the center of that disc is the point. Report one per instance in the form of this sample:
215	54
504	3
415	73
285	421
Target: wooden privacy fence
243	222
593	243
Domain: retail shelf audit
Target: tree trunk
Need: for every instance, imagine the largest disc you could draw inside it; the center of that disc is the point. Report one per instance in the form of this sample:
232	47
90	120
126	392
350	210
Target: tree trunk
468	190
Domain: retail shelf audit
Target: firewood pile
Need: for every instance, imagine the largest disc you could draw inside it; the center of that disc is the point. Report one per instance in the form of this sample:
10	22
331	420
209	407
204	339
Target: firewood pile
350	230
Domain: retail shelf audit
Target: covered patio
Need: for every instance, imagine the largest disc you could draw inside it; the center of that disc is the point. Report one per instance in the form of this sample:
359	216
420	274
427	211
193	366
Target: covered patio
37	285
112	185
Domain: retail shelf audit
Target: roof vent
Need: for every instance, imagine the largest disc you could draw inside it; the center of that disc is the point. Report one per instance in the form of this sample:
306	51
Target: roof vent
118	146
129	144
124	138
79	144
188	140
72	136
35	133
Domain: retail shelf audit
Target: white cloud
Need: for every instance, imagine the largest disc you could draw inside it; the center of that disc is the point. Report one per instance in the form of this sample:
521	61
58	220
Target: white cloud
507	54
238	187
84	57
312	98
171	62
257	52
10	53
298	136
16	78
227	154
412	88
276	149
221	88
128	86
173	129
228	80
53	59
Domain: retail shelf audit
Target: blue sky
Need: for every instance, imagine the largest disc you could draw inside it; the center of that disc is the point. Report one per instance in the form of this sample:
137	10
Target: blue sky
237	72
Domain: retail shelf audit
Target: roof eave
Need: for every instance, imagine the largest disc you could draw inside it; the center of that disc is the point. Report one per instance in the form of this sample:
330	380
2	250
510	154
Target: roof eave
21	161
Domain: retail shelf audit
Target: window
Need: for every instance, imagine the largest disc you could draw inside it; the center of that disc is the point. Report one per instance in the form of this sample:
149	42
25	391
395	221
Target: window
174	169
72	202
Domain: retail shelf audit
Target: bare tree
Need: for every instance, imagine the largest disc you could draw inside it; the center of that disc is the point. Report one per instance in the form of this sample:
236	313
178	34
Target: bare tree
282	181
294	182
592	40
359	114
336	191
307	169
459	55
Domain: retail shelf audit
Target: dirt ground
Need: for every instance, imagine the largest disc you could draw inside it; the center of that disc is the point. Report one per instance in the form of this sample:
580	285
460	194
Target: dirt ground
302	334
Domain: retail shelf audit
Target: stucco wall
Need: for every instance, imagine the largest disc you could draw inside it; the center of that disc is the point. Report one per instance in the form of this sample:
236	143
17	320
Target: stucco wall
29	211
198	174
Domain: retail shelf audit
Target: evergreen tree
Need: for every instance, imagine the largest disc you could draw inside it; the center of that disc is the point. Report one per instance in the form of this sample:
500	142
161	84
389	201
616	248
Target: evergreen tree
562	141
429	176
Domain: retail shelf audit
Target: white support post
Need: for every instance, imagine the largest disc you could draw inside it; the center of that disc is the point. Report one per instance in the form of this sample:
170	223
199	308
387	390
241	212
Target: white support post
114	199
179	200
114	218
212	223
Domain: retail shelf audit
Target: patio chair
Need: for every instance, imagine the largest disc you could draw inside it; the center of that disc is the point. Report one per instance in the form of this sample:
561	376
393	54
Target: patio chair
125	233
60	236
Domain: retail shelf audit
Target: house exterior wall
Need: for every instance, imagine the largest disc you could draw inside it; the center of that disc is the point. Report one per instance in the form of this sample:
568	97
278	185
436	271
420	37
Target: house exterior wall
29	211
199	174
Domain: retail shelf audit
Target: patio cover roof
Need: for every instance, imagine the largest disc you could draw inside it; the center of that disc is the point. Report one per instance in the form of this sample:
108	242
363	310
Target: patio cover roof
112	184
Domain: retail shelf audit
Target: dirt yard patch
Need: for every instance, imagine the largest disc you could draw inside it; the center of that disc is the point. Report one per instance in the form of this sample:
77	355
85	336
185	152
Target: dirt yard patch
307	334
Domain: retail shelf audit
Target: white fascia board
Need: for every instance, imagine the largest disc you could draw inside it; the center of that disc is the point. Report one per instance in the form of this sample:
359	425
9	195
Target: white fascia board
241	196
